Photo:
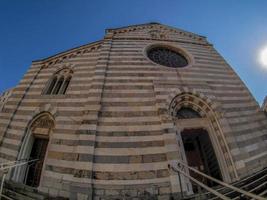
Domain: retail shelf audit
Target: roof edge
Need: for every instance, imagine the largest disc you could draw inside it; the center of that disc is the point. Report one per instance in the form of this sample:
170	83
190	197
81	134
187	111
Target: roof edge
144	24
67	51
153	23
99	41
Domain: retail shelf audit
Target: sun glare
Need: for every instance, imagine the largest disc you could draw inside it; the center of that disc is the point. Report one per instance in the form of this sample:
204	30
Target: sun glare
263	57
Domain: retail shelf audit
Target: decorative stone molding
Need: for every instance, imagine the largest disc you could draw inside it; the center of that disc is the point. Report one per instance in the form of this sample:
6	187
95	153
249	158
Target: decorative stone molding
188	56
43	122
160	29
64	70
40	125
157	34
70	54
46	108
65	65
204	104
207	107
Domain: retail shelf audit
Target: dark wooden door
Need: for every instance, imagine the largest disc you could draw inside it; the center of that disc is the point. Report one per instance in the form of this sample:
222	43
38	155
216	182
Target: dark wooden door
200	155
35	168
194	158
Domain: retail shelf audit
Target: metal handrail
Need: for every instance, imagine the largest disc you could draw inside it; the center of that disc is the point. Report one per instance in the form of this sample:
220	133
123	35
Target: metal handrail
16	163
11	162
6	197
225	184
199	184
5	167
216	181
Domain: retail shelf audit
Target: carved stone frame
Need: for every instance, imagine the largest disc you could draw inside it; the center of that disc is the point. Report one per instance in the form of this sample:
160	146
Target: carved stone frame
18	173
209	109
204	123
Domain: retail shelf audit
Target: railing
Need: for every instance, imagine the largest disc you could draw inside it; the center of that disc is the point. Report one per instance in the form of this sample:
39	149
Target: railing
180	170
5	167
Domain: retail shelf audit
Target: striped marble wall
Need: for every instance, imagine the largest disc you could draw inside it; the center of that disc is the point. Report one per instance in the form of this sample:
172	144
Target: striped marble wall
111	137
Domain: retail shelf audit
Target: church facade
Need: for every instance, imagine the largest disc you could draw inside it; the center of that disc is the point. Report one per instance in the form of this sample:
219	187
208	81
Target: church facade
105	120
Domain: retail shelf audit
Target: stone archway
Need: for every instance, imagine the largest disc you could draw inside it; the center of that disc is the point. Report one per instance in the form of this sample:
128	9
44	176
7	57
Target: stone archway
34	146
210	120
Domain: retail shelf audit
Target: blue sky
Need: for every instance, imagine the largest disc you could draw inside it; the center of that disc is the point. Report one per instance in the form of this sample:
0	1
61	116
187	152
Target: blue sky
35	29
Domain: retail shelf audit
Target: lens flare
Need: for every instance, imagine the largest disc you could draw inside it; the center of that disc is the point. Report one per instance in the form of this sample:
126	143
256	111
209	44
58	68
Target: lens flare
263	57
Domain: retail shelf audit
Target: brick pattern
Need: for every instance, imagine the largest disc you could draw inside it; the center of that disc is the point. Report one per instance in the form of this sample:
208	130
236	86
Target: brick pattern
114	132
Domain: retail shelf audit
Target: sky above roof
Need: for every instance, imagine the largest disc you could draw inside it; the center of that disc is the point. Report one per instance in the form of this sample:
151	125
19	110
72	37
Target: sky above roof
32	30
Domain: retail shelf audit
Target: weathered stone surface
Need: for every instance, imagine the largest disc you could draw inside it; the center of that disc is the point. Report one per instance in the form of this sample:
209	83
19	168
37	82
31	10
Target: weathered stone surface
164	190
115	129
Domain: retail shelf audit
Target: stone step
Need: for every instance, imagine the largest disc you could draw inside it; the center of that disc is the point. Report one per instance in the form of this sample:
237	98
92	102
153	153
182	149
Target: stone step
264	193
257	190
255	183
18	191
21	190
16	196
243	183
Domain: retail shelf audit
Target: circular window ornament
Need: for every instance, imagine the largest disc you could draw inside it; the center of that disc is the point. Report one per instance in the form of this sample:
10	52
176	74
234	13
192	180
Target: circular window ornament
167	56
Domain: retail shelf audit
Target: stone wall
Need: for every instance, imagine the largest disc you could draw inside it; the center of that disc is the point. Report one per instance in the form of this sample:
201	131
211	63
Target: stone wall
113	135
264	105
4	98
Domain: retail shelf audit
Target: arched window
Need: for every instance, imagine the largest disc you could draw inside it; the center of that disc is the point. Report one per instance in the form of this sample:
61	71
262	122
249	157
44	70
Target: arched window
59	83
65	85
51	85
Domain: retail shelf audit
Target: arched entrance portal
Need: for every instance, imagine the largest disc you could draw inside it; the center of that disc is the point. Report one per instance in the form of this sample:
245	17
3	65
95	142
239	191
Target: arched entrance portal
33	175
200	154
198	149
34	146
192	110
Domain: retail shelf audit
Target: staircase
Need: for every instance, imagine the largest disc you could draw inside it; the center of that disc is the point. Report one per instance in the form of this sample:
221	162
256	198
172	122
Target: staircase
17	191
255	183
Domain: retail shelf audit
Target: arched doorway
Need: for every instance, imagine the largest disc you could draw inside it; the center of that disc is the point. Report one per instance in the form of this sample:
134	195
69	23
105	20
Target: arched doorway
192	110
198	148
34	146
200	154
33	173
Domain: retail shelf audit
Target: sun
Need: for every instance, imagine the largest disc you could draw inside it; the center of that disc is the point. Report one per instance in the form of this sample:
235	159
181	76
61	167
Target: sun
263	57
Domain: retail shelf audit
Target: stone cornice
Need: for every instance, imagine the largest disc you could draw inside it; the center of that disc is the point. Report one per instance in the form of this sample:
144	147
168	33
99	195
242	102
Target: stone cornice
165	40
58	58
154	25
